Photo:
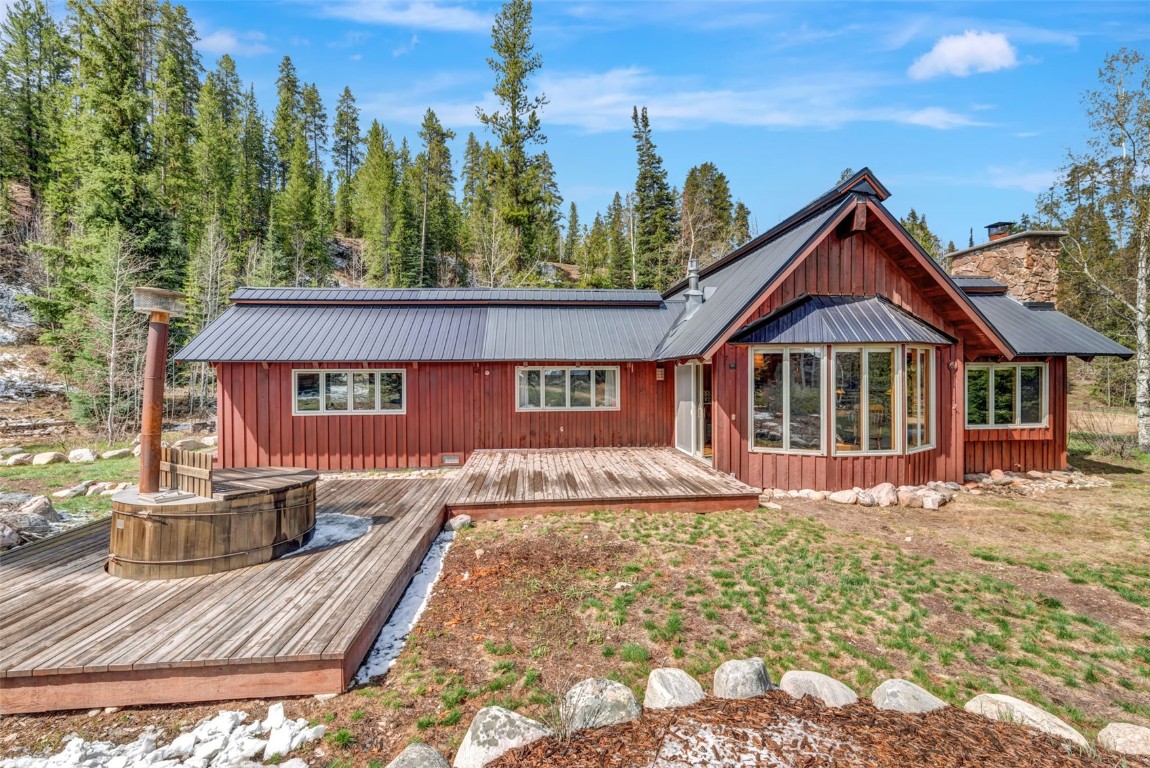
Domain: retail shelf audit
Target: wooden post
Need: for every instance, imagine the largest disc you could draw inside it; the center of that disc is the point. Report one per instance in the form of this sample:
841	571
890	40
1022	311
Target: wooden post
160	306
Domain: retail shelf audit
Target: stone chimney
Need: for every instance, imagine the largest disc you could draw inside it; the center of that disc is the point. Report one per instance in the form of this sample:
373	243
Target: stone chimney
1026	263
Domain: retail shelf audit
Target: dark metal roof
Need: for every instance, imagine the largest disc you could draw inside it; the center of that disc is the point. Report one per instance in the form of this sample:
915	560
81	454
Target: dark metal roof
978	284
840	320
732	289
424	296
357	332
1040	331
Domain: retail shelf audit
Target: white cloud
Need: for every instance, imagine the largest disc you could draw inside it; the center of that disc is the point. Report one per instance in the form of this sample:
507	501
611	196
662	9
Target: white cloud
415	14
235	43
965	54
938	117
407	47
1033	182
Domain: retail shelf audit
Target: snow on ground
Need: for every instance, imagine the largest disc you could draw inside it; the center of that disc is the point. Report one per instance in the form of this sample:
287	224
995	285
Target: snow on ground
394	634
332	528
15	319
788	744
20	381
218	742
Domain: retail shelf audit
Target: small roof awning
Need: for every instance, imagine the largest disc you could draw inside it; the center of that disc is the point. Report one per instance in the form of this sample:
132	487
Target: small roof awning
840	320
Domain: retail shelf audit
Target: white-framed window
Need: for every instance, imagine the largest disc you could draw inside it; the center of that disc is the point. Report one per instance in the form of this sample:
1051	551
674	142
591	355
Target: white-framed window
866	395
558	388
920	397
788	390
351	391
1006	395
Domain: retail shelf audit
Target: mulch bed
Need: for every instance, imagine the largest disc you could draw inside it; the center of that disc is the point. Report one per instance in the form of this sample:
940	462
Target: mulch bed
777	730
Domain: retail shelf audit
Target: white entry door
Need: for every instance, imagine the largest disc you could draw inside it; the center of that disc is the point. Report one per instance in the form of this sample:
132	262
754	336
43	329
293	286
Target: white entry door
686	408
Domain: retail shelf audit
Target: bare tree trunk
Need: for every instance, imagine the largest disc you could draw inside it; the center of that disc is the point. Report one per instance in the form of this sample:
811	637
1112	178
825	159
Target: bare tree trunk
1142	336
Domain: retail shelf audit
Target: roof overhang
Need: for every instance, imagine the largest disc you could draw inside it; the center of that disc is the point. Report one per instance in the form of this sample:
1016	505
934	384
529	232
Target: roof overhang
840	320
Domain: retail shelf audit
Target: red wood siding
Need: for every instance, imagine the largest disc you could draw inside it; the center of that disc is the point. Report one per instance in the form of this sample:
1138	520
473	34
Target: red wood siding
451	408
1020	450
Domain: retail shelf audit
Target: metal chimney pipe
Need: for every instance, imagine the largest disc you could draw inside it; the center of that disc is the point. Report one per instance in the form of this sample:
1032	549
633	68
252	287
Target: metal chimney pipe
160	306
693	295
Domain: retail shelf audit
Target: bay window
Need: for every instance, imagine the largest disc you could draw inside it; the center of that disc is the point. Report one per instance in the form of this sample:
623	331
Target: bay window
787	399
1005	395
356	391
547	388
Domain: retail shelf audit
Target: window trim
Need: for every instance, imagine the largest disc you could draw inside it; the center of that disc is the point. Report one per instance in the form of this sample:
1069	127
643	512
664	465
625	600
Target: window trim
898	396
1044	392
786	350
567	369
351	410
932	388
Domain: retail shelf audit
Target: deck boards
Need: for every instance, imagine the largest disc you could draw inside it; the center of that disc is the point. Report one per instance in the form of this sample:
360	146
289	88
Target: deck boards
72	636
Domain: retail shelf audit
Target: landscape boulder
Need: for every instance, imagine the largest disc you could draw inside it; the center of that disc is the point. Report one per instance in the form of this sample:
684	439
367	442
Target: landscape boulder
82	456
119	453
419	756
494	732
11	450
932	500
668	687
458	522
866	498
741	679
25	523
829	691
8	537
1008	709
188	444
40	505
1125	738
71	493
48	457
595	703
910	499
211	441
15	499
18	459
905	696
885	495
844	497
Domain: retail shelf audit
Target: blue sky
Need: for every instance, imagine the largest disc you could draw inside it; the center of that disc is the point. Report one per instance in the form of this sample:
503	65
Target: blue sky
964	111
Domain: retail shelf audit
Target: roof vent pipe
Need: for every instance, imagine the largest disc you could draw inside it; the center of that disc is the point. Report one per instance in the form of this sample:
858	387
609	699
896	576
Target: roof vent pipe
693	295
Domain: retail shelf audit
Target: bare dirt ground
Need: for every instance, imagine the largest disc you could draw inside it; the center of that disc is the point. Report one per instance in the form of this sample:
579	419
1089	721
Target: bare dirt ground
1045	598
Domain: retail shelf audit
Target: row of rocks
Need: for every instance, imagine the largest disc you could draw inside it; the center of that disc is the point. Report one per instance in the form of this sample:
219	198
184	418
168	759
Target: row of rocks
930	496
25	518
1000	482
91	488
223	741
597	703
15	456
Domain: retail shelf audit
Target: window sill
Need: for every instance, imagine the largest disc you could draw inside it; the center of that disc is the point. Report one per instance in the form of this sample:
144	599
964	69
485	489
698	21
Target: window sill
350	413
788	452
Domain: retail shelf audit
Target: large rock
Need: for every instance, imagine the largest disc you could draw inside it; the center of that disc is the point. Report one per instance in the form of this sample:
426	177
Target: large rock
15	499
71	493
188	444
40	505
668	687
23	522
211	441
741	679
1008	709
119	453
11	450
19	459
494	732
8	537
597	703
458	522
844	497
829	691
1125	738
82	456
418	756
49	457
885	495
866	498
905	696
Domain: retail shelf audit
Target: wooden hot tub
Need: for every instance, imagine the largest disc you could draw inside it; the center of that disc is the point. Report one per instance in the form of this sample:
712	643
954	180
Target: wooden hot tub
252	516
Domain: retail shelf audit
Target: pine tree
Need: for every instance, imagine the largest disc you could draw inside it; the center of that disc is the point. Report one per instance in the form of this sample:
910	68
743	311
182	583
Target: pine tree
215	154
620	267
287	120
594	255
251	188
571	242
314	118
374	194
917	227
740	226
33	75
656	222
516	126
436	196
347	155
176	86
299	232
706	214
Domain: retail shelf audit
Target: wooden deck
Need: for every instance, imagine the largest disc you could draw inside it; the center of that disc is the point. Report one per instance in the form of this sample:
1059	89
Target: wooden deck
74	637
498	484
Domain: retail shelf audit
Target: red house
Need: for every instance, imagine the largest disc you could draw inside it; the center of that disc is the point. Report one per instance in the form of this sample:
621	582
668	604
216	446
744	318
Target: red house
829	352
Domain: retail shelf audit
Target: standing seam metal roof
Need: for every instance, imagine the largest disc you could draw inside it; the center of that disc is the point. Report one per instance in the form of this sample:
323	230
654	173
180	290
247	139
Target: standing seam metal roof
1042	331
840	320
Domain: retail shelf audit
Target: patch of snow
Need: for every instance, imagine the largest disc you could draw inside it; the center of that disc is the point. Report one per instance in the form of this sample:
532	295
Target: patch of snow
19	381
220	742
15	319
788	744
394	634
332	528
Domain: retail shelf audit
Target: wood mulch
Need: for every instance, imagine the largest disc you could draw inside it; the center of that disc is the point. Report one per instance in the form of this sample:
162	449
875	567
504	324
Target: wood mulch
777	730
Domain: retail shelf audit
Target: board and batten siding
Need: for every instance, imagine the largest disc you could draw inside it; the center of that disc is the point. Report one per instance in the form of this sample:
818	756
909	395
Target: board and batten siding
451	408
850	265
1025	448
